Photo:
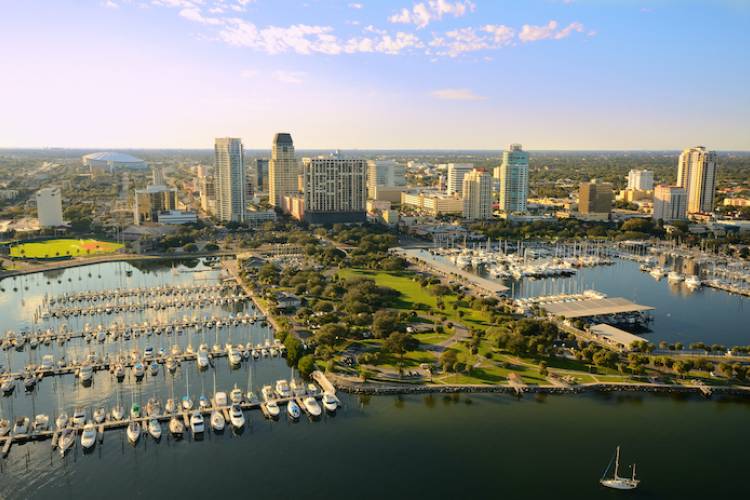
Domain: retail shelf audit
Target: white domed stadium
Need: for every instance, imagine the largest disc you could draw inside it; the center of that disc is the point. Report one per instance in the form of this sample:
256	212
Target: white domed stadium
110	161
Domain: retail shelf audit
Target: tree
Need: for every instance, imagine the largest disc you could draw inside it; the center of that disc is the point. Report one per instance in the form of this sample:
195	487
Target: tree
448	359
543	371
294	349
306	365
400	343
385	322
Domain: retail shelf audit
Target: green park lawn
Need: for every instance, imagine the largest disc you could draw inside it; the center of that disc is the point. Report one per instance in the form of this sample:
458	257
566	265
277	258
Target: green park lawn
62	248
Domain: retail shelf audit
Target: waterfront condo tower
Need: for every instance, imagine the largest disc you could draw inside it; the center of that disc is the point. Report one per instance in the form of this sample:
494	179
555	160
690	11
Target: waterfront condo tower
513	178
283	170
477	195
696	173
229	180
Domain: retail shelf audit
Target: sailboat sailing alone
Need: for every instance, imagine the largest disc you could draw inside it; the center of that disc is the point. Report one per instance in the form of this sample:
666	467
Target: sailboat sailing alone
616	482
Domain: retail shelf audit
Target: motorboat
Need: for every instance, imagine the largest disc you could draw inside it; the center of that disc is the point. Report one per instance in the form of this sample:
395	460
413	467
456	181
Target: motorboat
616	482
99	415
65	441
170	406
251	397
118	412
62	420
176	427
153	368
21	426
330	402
693	282
133	432
8	385
154	429
312	406
88	436
236	395
29	381
86	373
196	423
139	370
135	410
217	421
148	352
220	399
282	389
235	358
292	409
675	277
79	417
202	358
657	272
48	362
236	416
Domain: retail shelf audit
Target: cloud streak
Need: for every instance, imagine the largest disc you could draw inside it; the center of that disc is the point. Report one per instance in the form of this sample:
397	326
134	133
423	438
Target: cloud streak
456	95
424	13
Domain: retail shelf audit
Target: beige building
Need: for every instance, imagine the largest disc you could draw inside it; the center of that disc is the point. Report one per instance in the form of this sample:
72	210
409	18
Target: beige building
736	202
49	207
595	197
283	170
455	176
477	195
385	180
230	181
433	202
696	173
670	203
152	201
335	190
634	195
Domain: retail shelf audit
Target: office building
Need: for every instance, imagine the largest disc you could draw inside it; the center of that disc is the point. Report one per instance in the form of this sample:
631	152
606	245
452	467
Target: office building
229	179
696	173
433	202
335	190
385	180
670	203
455	174
207	189
152	201
260	175
640	180
595	197
477	195
283	170
49	207
513	178
157	177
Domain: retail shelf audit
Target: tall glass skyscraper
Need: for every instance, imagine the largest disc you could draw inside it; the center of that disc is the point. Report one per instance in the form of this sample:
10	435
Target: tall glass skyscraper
230	181
283	170
513	177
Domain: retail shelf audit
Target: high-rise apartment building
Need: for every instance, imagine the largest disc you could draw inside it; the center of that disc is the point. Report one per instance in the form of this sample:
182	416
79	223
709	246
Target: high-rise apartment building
595	197
49	207
283	169
149	203
513	178
670	203
385	180
641	180
455	174
261	175
335	190
229	179
207	189
696	173
477	195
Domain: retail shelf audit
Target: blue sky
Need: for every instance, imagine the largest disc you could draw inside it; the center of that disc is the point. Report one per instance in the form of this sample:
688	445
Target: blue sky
551	74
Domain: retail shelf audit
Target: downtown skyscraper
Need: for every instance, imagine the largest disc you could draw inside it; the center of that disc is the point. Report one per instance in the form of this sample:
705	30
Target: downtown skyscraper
230	182
283	170
696	173
513	177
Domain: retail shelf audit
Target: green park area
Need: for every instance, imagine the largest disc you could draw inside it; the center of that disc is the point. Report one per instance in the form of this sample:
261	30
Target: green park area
52	249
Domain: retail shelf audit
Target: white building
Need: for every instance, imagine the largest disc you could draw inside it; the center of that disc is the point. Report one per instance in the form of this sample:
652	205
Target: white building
109	162
670	203
177	217
283	170
385	180
477	195
49	207
640	180
513	179
696	173
335	190
456	172
229	179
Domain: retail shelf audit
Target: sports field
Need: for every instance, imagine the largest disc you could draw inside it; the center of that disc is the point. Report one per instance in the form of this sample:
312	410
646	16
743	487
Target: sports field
62	248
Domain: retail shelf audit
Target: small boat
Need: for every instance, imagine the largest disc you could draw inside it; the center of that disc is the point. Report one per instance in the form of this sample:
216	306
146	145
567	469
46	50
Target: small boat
617	482
236	417
66	440
21	426
196	423
693	282
79	417
119	371
170	406
139	370
154	429
292	409
176	427
217	421
675	277
88	436
282	389
133	432
330	402
187	403
99	415
86	373
8	385
171	364
153	368
118	412
236	395
29	382
4	427
312	406
153	407
135	411
203	402
62	420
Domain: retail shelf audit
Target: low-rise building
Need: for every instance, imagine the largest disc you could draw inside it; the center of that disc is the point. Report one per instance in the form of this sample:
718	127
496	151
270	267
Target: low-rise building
433	202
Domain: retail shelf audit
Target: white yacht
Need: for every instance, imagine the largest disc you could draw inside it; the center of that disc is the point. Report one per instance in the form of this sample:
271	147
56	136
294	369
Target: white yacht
154	428
66	440
41	423
176	427
133	432
312	406
236	395
86	373
196	423
272	407
202	358
88	436
48	362
62	420
693	282
21	426
657	272
282	389
292	409
79	417
220	399
330	402
217	421
675	277
236	417
235	358
118	412
99	415
617	482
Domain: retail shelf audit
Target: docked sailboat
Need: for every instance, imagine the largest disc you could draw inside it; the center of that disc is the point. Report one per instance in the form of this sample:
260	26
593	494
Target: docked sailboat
88	436
66	440
617	482
133	432
176	427
154	429
217	421
330	402
272	407
236	417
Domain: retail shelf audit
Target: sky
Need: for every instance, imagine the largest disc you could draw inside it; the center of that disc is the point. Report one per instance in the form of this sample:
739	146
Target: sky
376	74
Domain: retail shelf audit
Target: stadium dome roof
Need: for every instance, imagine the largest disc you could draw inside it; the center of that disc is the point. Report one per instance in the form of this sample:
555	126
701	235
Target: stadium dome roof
112	157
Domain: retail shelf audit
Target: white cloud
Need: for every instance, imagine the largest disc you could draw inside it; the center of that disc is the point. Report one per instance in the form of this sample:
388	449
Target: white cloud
531	33
457	42
456	95
356	5
194	14
110	4
423	13
290	77
501	34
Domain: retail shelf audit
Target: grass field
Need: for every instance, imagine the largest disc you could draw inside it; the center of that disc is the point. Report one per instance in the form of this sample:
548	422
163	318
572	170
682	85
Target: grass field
62	248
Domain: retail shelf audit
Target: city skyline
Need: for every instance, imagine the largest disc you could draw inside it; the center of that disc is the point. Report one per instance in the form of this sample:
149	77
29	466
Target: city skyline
406	75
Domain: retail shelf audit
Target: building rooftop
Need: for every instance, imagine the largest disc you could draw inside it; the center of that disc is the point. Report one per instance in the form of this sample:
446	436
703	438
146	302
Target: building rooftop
614	335
594	307
283	138
112	157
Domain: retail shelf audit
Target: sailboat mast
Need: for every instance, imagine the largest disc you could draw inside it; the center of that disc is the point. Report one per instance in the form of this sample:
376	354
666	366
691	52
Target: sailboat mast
617	463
